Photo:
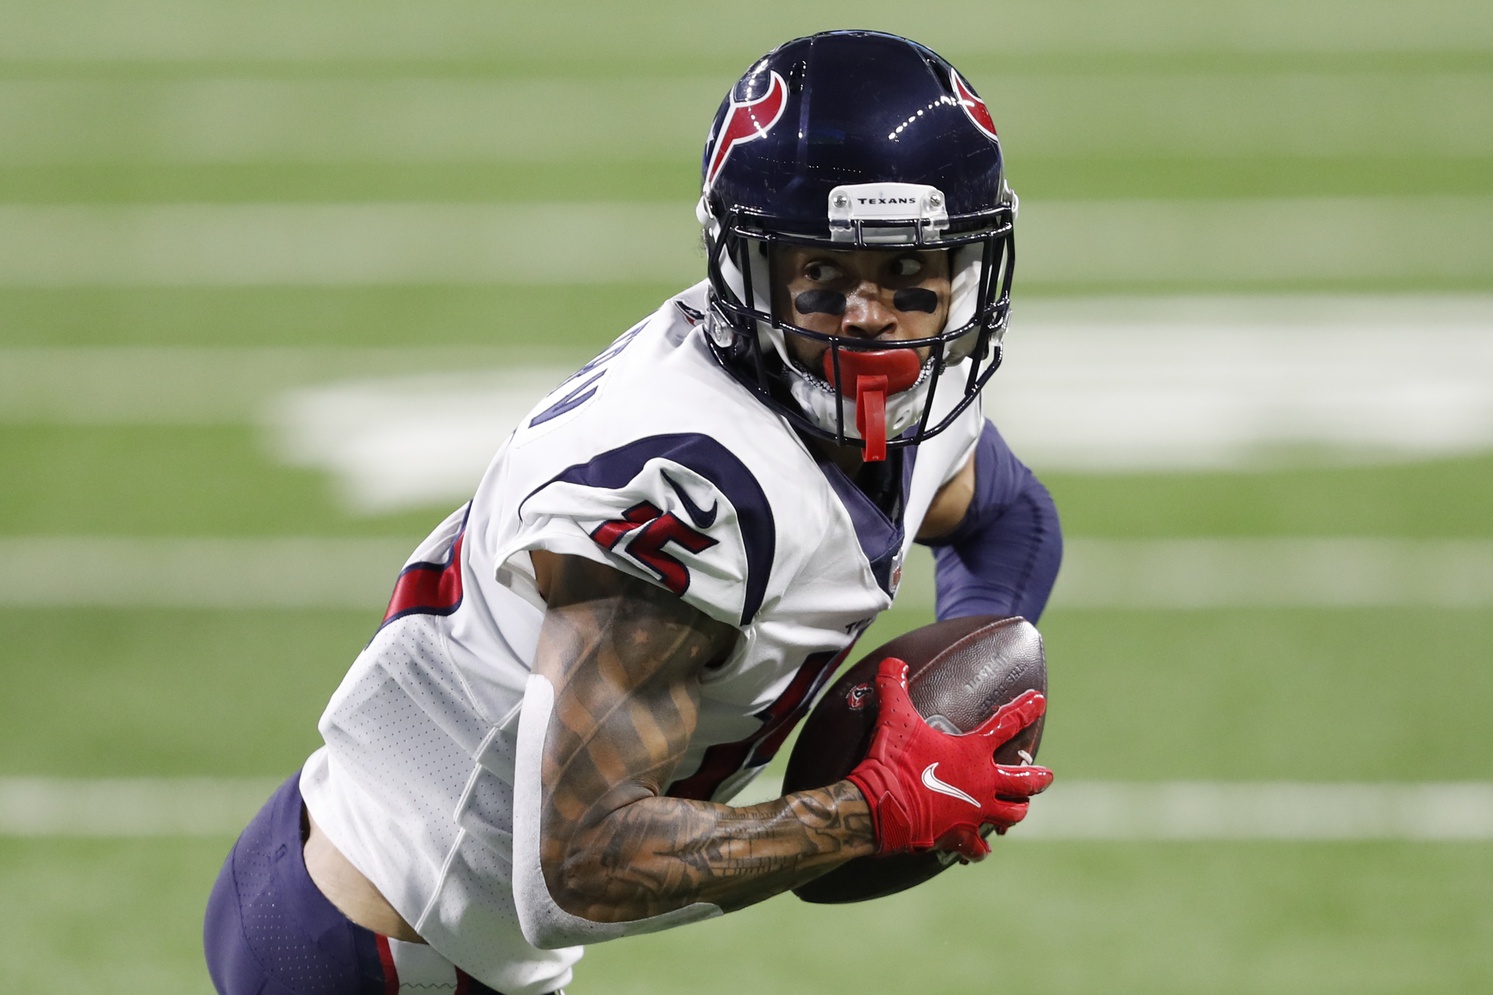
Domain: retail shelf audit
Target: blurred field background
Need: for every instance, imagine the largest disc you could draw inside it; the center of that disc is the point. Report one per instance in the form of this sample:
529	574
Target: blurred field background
232	237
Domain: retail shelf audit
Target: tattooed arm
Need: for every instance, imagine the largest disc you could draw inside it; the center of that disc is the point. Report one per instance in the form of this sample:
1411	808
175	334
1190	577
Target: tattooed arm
624	659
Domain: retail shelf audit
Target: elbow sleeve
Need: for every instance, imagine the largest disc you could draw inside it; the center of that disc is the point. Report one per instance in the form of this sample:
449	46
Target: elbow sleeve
1003	558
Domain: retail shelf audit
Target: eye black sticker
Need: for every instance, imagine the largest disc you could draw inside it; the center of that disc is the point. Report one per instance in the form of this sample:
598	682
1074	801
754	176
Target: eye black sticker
820	302
915	299
832	303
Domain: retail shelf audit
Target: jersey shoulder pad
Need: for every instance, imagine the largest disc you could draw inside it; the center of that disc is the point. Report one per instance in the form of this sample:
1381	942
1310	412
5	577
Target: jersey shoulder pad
680	510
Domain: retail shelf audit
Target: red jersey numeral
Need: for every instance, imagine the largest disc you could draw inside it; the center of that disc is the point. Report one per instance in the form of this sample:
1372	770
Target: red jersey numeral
652	528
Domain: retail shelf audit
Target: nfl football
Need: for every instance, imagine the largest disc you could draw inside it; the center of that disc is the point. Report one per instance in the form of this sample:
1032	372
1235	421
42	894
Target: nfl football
959	672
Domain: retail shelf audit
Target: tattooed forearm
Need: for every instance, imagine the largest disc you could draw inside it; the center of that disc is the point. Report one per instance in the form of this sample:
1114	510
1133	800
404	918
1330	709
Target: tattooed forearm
776	845
663	853
624	658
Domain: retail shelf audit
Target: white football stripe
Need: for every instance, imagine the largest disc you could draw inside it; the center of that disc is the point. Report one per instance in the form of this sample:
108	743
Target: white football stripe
358	574
1234	243
1097	811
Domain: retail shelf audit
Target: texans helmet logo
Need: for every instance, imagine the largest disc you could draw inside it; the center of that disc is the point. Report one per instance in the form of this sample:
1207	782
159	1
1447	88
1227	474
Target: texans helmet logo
747	121
973	106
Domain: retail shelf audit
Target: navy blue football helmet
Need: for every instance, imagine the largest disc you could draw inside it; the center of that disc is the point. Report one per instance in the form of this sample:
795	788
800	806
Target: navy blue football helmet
856	140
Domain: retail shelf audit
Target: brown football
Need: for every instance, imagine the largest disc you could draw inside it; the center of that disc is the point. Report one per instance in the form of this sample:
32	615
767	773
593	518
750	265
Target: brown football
959	672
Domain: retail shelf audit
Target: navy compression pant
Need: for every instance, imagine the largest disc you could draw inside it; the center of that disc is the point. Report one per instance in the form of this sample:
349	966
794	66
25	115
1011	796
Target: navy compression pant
270	931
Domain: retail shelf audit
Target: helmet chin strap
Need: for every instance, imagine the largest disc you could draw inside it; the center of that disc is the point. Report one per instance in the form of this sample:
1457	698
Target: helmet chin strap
871	375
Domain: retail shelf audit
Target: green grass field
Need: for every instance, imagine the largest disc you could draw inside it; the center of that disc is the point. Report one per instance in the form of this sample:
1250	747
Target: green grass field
1364	111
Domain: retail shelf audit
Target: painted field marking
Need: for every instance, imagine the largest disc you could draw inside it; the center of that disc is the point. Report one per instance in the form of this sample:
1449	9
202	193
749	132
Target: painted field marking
129	807
358	574
222	117
1093	384
1276	572
1114	386
222	574
227	385
1230	243
1079	397
345	244
1077	393
1090	386
1207	810
1096	811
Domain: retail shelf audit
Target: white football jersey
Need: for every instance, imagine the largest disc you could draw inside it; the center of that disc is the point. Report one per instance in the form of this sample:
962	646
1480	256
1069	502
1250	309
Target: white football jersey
653	460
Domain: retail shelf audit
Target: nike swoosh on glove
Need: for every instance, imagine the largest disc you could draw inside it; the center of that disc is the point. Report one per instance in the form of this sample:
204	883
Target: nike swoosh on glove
929	789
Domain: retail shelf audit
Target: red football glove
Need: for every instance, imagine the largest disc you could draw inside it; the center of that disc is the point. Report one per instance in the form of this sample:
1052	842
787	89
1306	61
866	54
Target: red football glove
931	790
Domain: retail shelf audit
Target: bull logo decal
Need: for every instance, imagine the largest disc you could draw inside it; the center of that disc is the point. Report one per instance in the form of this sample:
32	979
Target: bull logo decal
973	106
747	121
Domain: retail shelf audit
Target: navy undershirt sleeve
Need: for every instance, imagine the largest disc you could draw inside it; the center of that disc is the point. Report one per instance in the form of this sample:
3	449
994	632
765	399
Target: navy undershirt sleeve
1003	558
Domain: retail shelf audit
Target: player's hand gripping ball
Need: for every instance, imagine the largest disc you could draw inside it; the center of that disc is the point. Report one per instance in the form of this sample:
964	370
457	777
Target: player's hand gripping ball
939	729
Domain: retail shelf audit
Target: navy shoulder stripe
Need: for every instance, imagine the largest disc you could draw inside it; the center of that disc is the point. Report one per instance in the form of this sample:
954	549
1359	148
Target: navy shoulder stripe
710	459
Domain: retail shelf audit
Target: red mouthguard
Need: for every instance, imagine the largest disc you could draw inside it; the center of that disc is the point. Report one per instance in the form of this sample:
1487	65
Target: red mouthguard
874	374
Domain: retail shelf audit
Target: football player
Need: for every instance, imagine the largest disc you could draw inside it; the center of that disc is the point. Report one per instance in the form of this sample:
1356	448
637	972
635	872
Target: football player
666	562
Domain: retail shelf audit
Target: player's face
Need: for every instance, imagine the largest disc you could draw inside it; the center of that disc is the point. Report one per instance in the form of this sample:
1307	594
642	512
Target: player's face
875	294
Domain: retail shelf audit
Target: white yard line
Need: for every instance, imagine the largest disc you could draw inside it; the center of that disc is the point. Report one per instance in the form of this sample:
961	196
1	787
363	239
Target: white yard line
1229	243
346	244
205	385
233	118
355	119
1095	385
1128	358
231	574
1098	811
1085	395
1276	573
1160	574
1207	810
129	807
